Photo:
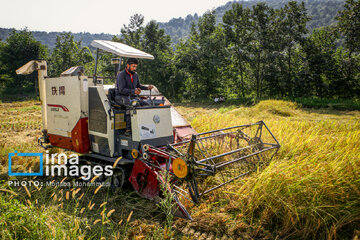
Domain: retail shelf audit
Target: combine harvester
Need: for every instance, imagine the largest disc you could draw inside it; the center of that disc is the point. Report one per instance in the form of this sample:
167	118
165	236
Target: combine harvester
79	114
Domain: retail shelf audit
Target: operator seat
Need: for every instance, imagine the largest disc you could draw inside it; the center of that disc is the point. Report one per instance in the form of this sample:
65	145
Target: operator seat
111	94
111	97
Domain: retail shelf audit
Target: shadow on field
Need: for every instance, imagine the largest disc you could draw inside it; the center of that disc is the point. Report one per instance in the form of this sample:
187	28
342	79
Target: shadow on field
324	109
7	98
209	106
329	111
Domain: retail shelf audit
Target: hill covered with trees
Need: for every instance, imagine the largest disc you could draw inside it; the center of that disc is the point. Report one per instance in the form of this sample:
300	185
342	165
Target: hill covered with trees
49	38
322	13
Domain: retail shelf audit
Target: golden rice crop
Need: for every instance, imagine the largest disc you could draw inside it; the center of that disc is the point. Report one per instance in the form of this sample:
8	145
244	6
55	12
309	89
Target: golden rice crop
96	221
110	212
92	206
27	191
97	189
9	191
116	162
129	217
81	196
94	178
312	183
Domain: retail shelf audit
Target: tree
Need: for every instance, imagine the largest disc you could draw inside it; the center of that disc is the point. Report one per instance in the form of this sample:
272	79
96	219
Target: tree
238	35
3	75
323	72
292	29
261	42
158	71
200	57
68	53
212	45
132	33
349	25
186	60
19	48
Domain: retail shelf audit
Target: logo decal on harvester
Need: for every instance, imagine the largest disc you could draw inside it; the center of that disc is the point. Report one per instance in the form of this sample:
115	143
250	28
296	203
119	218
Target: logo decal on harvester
59	165
61	91
147	131
156	118
59	106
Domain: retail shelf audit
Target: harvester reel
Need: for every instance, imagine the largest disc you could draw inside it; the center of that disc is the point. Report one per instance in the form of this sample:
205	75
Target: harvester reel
181	211
193	190
217	158
207	162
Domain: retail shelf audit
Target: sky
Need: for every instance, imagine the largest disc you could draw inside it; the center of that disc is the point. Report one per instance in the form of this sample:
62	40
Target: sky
94	16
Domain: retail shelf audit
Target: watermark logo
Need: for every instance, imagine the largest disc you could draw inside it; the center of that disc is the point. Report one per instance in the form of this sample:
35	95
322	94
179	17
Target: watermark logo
10	157
60	165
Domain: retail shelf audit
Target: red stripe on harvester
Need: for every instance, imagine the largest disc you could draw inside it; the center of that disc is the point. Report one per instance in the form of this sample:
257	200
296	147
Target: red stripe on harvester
59	106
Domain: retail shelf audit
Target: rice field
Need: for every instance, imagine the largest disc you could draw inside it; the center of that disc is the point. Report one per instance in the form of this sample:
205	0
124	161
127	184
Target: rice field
310	190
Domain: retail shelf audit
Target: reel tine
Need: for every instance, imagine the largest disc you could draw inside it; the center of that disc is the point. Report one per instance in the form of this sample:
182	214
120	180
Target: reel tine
181	211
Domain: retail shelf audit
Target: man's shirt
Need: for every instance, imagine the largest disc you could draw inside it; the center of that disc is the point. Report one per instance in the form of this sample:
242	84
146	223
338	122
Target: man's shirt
125	87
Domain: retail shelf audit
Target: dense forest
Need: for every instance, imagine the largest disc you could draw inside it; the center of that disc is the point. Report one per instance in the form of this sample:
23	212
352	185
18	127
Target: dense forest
322	13
258	52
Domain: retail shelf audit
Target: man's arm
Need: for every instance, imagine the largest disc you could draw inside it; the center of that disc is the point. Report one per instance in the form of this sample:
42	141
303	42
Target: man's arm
142	87
121	85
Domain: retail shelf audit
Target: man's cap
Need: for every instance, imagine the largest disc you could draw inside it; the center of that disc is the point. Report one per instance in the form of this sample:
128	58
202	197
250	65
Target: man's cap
132	61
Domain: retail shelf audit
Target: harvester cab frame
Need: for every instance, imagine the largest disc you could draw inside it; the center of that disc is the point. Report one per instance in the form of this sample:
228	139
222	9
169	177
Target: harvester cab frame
80	114
149	124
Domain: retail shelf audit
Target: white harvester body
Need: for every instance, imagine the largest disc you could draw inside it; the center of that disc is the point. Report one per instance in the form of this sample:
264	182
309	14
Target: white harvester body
78	113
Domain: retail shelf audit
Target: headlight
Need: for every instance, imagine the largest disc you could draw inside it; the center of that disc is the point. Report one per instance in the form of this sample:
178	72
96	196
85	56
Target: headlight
134	103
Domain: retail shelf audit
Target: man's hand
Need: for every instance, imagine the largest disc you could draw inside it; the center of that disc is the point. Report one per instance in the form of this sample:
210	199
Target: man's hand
150	87
137	91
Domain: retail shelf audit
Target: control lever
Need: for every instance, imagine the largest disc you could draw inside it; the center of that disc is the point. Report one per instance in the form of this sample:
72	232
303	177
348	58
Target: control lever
152	103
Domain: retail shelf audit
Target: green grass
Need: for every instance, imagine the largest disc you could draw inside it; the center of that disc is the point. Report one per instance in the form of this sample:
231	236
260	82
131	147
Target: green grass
75	213
21	220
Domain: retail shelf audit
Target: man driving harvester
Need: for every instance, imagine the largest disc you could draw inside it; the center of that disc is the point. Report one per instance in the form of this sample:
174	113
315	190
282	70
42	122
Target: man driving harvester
128	86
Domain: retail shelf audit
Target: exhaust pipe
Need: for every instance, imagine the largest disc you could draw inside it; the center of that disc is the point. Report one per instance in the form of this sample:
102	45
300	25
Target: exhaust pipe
41	67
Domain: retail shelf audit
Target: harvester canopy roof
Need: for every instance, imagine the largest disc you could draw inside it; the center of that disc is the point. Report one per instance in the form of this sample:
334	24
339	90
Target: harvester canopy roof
120	49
